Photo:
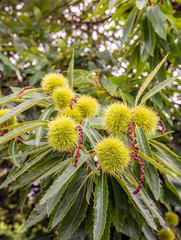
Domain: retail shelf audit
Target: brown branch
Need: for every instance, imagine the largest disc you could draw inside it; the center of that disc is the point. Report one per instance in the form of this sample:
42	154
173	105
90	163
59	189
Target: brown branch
101	86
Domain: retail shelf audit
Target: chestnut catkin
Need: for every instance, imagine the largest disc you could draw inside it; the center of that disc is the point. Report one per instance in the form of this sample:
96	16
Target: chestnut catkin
62	134
146	118
62	97
112	154
88	106
51	81
116	118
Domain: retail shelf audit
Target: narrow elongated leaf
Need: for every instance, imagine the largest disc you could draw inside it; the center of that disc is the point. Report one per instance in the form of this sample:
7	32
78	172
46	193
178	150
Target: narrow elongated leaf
92	166
33	151
158	88
100	206
151	174
20	108
149	35
137	201
61	180
44	116
52	202
158	20
37	215
168	154
14	96
64	206
128	27
160	167
25	167
12	152
141	3
74	217
122	96
34	172
148	233
21	130
89	187
56	168
119	205
106	233
148	80
93	136
24	123
70	72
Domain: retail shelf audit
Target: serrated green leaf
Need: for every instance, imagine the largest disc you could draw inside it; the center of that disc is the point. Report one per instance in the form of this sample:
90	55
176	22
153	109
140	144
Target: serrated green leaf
74	217
14	96
146	206
158	88
141	4
64	206
52	202
89	187
62	179
25	167
23	198
100	206
20	108
119	205
159	166
70	71
33	151
33	173
37	215
168	154
128	26
137	200
12	152
20	130
148	80
106	233
91	164
148	233
151	174
158	20
44	116
149	35
56	168
122	96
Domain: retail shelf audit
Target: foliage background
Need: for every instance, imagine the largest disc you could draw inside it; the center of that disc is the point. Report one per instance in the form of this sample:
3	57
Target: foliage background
109	37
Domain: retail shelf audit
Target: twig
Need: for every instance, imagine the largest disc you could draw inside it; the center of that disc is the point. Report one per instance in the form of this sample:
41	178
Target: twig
25	88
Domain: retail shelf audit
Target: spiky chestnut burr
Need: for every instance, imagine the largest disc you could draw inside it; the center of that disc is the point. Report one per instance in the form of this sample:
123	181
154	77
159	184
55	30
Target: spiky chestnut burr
88	106
74	113
166	234
172	218
136	157
51	81
62	134
146	118
116	118
79	146
112	154
11	121
62	97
